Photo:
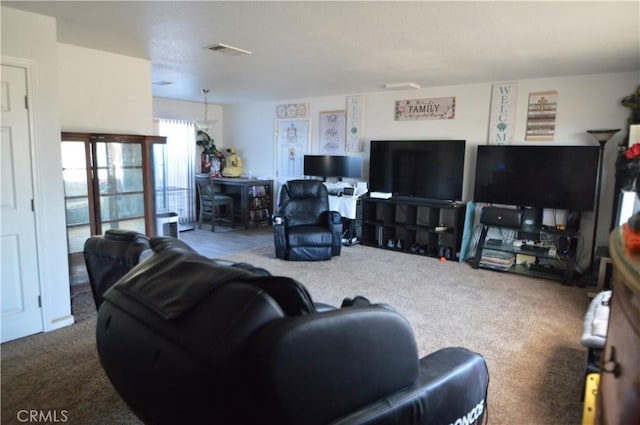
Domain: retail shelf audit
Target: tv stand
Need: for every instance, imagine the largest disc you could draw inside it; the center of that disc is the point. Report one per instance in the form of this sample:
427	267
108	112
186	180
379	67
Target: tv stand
542	261
414	226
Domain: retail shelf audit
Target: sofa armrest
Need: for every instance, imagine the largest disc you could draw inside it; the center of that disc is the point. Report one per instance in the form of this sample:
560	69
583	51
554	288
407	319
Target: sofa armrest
279	223
452	389
315	368
335	224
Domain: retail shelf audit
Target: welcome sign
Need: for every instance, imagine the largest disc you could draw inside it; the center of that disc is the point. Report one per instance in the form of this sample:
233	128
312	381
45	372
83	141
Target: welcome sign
439	108
504	97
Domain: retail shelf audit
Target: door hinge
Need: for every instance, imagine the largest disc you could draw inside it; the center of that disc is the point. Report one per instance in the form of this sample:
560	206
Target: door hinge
26	102
33	208
39	300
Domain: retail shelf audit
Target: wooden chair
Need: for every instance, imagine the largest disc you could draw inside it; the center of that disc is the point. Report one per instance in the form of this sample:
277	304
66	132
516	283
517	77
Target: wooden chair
210	203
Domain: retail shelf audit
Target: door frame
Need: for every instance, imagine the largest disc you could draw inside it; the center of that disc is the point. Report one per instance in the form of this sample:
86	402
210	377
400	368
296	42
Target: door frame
47	297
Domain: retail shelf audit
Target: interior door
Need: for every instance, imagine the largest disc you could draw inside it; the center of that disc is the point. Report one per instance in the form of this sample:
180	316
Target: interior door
292	144
21	313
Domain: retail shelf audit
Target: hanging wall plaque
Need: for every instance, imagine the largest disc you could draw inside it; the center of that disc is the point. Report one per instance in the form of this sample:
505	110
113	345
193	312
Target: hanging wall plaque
439	108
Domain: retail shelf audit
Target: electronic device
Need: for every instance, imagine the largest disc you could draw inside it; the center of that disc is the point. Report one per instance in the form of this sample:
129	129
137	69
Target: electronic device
427	169
338	166
562	177
501	217
535	249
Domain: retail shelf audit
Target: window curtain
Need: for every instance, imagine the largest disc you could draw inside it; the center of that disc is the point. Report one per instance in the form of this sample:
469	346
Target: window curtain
180	167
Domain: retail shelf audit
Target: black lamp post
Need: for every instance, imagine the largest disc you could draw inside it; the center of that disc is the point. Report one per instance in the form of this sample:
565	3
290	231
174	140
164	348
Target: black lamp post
602	136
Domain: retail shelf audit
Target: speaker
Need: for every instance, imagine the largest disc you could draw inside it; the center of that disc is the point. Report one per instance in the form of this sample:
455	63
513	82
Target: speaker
573	220
501	217
531	222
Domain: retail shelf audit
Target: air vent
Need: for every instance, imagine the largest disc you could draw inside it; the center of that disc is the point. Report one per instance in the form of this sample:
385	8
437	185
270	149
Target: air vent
226	49
402	86
162	83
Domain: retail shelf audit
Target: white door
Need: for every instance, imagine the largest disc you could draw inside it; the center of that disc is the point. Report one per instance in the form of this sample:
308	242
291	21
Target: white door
21	314
292	144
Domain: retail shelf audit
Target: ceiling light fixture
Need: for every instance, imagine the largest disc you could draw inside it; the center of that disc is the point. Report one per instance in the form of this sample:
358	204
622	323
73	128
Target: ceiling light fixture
229	50
204	124
402	86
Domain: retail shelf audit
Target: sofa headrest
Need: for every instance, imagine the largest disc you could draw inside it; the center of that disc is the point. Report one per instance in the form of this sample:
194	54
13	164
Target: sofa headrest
128	236
300	189
176	278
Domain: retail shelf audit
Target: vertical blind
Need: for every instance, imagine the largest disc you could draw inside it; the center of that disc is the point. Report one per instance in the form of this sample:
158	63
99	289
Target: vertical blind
180	166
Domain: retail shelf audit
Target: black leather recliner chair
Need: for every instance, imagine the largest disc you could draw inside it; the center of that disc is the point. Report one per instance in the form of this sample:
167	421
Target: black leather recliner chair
304	228
185	339
111	256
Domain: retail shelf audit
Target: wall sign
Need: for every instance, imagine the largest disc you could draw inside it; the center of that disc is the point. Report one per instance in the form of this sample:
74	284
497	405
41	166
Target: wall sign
293	110
541	116
439	108
502	117
332	132
354	122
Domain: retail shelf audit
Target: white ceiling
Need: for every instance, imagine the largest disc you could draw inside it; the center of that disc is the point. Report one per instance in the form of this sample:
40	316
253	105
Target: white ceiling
317	48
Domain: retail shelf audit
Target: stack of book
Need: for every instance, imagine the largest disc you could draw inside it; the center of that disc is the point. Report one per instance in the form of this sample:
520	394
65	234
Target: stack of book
497	260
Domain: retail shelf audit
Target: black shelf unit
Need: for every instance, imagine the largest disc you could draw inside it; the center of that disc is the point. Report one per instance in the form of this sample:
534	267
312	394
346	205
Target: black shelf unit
547	265
423	227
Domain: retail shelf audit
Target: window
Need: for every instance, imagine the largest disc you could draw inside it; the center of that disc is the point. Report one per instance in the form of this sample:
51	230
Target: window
179	168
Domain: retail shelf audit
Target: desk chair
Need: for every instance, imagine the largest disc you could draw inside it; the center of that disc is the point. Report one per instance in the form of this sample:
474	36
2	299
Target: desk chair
210	203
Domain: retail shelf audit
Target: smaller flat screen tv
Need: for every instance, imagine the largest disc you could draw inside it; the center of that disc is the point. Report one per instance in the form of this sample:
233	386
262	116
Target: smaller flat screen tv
558	177
423	169
333	166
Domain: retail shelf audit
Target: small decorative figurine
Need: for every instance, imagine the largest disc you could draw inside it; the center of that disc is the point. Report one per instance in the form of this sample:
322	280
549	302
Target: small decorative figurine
233	166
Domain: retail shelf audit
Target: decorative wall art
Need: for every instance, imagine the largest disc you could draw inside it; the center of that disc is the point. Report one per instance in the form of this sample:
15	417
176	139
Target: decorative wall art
541	116
332	132
292	110
438	108
354	121
502	117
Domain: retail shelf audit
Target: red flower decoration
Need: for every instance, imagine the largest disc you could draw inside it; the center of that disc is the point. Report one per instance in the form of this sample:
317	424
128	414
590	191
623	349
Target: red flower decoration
633	151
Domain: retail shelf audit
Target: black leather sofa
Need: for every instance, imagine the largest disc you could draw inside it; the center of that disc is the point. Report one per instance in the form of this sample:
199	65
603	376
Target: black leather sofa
304	229
110	256
186	339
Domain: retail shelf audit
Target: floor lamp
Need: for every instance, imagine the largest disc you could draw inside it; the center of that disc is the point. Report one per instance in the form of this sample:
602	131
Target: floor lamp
602	136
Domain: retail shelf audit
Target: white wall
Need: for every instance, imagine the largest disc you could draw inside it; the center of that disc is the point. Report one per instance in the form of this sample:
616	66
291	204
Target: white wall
33	38
104	92
584	102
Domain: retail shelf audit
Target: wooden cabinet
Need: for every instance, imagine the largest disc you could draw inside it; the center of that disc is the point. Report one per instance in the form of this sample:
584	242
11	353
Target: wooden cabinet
618	400
110	182
415	227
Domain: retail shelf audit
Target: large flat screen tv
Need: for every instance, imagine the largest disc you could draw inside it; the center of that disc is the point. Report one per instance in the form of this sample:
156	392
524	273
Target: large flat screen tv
332	166
559	177
427	169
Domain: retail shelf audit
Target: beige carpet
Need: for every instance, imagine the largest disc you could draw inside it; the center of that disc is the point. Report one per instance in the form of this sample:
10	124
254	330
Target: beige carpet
527	329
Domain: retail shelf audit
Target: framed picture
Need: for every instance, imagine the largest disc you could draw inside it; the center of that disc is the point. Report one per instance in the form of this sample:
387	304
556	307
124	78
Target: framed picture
541	116
332	132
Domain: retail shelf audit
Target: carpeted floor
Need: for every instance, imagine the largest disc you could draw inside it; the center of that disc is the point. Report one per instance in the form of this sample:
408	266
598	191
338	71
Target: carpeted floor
527	329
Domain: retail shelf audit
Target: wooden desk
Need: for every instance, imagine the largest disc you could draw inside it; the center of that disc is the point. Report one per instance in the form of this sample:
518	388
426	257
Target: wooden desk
255	205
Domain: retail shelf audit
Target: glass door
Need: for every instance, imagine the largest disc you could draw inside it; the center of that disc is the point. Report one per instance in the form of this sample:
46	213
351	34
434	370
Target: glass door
120	181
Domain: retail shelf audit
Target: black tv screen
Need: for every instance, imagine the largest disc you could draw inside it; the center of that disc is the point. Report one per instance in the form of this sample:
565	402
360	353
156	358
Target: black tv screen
560	177
428	169
332	166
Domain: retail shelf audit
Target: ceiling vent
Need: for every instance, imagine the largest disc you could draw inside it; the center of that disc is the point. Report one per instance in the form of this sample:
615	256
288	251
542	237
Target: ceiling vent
402	86
228	50
162	83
